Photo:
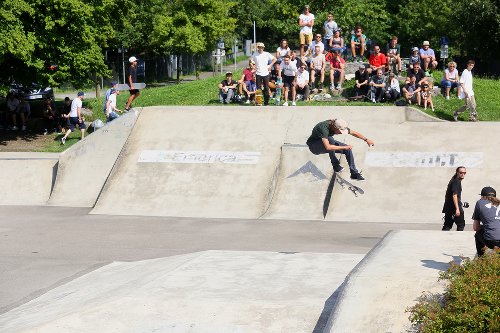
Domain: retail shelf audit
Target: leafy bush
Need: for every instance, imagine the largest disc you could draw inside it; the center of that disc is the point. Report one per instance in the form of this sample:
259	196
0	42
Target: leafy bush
470	304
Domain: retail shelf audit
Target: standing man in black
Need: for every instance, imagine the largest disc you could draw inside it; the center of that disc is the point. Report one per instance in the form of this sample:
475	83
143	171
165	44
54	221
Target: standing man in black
131	79
452	208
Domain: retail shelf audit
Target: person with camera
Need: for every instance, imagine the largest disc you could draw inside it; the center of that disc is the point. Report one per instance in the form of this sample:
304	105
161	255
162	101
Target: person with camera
486	218
452	208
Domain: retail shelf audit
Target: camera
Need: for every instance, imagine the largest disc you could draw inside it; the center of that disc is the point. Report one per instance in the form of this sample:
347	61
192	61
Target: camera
465	205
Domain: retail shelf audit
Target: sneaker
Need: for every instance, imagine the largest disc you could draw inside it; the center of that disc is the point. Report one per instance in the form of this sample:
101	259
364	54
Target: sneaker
455	116
373	100
339	86
45	132
247	102
338	168
15	128
63	140
23	128
285	104
294	104
447	97
357	176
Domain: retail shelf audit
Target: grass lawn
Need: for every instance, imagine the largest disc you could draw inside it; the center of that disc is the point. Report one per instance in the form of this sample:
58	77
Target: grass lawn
204	92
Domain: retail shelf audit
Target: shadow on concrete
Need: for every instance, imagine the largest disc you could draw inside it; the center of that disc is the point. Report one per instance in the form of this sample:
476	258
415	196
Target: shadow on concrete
327	310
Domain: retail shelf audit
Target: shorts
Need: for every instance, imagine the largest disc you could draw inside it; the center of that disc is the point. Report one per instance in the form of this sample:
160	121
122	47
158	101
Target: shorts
134	91
288	81
306	39
73	122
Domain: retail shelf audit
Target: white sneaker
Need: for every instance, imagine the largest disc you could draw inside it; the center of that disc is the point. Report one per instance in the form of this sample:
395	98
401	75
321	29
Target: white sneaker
285	104
15	128
447	97
339	86
247	102
294	104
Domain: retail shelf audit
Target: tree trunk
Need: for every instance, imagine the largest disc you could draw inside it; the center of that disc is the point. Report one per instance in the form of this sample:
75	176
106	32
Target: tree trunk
97	89
178	70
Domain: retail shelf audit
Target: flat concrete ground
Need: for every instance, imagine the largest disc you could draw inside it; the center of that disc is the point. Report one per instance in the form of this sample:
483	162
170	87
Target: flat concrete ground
44	247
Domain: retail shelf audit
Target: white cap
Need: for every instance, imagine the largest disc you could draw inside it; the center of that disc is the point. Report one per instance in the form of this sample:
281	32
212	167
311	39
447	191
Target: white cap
132	59
341	125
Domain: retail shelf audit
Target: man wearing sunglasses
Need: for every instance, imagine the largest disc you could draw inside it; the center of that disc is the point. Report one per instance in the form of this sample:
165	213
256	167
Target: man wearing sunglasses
452	208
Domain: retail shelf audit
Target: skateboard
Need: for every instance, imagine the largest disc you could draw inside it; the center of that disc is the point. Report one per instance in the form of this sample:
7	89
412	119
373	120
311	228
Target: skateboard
124	86
259	97
279	84
353	188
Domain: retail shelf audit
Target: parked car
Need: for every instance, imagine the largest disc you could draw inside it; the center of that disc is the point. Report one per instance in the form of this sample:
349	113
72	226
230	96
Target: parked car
32	92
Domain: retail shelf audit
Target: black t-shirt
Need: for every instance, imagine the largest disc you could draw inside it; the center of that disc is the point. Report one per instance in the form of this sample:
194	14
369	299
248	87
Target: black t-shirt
132	71
361	77
420	74
454	187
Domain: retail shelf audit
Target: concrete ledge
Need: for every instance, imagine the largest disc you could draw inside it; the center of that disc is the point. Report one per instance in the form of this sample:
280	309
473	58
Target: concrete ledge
392	276
416	115
85	166
27	178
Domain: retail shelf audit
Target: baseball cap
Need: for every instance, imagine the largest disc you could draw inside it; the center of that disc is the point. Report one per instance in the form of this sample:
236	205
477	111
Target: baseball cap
488	191
260	44
362	67
80	93
229	73
132	59
341	125
426	42
114	83
414	48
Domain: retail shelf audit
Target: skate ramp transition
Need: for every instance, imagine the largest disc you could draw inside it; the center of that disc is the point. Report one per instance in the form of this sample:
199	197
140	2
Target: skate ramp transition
245	162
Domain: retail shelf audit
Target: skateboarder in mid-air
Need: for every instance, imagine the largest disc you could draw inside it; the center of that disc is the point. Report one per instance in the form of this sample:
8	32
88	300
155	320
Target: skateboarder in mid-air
321	141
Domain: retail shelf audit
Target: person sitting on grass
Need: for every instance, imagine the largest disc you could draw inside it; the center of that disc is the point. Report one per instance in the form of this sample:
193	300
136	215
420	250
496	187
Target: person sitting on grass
302	82
486	218
337	64
426	96
428	58
450	79
414	58
377	60
393	91
250	88
227	88
246	76
377	86
318	65
393	51
49	116
411	91
361	78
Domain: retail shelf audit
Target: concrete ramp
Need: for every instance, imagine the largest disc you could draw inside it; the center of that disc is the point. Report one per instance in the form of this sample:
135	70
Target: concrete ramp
391	278
27	178
303	188
85	166
198	162
213	291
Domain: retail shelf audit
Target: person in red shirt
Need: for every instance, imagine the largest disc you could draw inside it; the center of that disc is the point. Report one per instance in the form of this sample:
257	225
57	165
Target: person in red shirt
378	60
337	64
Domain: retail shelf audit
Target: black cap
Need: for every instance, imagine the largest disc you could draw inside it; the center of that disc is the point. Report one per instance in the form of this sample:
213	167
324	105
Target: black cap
488	191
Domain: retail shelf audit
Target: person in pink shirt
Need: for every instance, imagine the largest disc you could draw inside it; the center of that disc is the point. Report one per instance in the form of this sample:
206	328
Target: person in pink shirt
337	71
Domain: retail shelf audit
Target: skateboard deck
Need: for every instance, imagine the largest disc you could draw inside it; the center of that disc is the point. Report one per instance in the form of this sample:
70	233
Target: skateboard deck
351	187
279	84
259	97
124	86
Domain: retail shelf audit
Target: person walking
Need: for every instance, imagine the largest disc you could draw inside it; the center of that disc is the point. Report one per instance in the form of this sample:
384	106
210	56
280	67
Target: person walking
131	79
467	93
486	223
75	117
452	208
321	141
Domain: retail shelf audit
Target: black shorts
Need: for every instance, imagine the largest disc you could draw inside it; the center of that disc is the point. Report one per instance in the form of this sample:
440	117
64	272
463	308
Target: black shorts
288	81
73	122
134	91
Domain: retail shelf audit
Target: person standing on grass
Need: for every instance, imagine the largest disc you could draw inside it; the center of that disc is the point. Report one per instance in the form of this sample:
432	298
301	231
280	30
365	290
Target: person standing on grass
264	62
131	79
75	117
467	93
452	208
486	223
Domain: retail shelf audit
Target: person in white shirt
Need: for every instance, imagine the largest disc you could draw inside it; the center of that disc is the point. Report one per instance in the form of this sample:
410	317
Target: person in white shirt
111	109
467	93
282	50
288	72
318	65
264	62
450	79
306	23
393	91
75	117
302	81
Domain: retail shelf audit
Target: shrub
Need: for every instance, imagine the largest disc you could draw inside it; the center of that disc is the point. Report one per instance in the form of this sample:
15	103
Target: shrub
470	304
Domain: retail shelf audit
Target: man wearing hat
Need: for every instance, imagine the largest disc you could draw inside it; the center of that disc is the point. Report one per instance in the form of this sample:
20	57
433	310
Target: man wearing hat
264	62
111	109
75	117
321	141
427	57
486	218
227	88
131	79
